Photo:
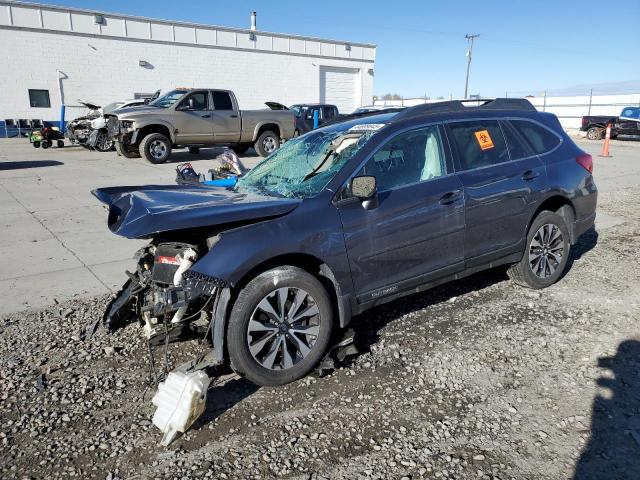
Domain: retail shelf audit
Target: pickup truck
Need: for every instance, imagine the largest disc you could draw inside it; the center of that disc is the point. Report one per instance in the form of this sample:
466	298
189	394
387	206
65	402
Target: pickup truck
193	118
628	123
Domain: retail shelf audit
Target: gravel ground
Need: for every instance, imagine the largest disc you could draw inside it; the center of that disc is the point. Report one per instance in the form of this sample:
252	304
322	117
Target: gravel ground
475	379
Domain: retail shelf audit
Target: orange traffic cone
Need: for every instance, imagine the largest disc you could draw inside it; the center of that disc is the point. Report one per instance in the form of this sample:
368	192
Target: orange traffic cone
605	147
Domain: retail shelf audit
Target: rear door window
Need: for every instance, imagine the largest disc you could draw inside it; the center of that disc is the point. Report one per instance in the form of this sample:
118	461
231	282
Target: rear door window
539	138
328	113
222	101
518	147
478	143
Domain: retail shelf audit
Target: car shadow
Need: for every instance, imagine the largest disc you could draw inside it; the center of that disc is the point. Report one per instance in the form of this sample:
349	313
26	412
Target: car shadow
19	165
183	155
368	324
223	397
587	242
613	450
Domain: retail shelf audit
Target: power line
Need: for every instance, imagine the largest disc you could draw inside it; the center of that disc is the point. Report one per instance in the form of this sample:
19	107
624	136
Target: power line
470	38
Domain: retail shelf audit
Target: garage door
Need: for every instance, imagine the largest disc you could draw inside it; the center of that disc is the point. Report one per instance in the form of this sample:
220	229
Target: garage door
339	86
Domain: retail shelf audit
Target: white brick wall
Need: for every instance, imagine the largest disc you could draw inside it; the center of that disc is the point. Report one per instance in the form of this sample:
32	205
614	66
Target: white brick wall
102	68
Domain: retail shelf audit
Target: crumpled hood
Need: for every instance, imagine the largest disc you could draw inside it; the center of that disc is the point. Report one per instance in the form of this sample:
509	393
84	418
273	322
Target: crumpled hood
141	212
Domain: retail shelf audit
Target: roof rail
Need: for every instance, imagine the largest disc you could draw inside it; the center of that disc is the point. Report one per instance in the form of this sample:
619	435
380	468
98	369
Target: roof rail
458	105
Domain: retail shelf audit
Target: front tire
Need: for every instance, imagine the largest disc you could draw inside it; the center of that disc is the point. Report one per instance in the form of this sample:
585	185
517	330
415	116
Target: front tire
155	148
546	254
267	143
103	142
127	151
279	327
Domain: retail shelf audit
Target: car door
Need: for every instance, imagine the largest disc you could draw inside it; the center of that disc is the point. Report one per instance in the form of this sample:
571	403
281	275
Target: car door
225	118
499	190
193	118
416	231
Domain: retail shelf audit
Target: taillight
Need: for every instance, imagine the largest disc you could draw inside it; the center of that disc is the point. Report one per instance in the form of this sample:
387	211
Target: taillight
586	161
585	121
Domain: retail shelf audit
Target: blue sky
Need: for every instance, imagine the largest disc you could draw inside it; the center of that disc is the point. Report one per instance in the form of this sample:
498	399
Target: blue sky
524	46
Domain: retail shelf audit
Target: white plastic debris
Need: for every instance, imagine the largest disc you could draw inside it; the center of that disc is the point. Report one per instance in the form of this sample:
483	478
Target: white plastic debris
180	400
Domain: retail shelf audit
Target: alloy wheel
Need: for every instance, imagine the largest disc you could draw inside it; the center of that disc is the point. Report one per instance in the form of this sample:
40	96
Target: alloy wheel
157	149
269	144
283	328
546	250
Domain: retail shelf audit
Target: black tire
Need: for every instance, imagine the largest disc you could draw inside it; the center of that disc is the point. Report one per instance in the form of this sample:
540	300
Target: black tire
523	272
267	143
60	143
595	133
194	150
242	360
155	148
45	144
240	149
127	151
36	144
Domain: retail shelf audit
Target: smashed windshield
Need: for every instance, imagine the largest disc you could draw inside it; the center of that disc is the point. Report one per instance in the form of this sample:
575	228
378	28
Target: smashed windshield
168	99
302	167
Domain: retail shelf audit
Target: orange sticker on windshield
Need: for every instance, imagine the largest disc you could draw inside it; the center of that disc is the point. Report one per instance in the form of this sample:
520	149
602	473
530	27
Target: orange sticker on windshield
484	139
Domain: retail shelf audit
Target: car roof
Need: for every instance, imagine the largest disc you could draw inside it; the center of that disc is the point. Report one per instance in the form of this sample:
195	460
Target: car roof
381	118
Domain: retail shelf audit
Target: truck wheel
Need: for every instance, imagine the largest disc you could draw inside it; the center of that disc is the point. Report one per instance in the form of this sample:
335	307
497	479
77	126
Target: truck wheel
127	151
45	144
60	143
595	133
546	255
279	327
240	149
194	150
155	148
36	144
267	143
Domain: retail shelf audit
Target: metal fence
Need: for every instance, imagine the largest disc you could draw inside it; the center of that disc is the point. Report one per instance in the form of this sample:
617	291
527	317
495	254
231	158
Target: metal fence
568	108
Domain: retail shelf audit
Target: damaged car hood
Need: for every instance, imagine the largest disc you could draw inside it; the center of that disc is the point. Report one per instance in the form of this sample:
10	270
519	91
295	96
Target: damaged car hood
136	111
141	212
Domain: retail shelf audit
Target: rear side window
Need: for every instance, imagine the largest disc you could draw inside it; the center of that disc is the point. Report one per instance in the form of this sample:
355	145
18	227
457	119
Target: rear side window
328	113
222	101
479	143
538	137
518	148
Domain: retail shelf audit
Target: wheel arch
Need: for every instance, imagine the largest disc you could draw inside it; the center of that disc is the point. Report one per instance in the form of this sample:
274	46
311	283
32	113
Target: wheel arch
560	205
154	128
263	127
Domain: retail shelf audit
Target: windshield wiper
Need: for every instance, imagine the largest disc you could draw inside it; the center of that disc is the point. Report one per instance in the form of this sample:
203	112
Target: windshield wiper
333	148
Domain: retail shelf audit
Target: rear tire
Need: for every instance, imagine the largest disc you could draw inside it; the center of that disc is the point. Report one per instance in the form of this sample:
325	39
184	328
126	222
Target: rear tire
127	151
155	148
546	254
595	133
60	143
267	143
279	334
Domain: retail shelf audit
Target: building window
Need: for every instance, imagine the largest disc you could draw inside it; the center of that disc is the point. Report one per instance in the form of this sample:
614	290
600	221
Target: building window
39	98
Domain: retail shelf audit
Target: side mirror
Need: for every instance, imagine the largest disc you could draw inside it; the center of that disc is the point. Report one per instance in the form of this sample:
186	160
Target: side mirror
364	187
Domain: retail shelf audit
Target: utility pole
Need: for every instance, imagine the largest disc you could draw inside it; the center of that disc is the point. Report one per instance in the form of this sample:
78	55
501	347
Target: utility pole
470	38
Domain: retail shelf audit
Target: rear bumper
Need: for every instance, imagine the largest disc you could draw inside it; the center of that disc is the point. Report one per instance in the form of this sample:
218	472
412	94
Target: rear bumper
582	225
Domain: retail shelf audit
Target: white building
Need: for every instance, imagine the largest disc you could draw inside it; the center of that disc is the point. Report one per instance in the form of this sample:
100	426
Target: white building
50	55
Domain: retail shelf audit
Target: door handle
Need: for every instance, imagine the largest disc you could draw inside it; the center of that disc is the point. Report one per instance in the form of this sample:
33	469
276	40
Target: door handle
234	116
529	175
450	197
208	115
